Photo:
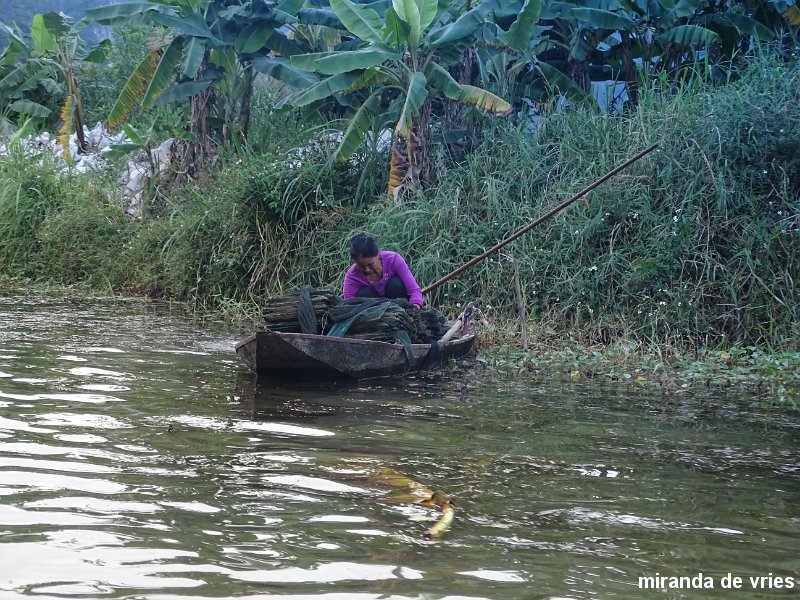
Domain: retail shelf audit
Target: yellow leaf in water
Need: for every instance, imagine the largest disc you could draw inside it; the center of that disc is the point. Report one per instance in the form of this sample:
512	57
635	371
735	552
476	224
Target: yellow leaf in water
575	375
641	378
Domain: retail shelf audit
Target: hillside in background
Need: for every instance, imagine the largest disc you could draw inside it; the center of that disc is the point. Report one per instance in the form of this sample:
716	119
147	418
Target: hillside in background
21	12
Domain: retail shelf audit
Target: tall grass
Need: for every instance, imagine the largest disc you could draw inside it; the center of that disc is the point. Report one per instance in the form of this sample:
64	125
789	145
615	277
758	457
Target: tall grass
30	191
696	244
56	226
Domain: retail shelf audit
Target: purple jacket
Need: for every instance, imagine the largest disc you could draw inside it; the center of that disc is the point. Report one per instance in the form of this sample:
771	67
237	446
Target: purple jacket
393	264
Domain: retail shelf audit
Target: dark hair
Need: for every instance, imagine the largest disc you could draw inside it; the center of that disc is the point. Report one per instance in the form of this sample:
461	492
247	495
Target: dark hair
362	245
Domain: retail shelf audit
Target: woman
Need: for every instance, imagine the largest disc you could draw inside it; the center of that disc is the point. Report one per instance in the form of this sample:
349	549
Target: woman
378	273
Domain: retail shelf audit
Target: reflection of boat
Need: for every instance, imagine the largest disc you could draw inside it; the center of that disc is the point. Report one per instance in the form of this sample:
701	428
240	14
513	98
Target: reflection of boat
309	355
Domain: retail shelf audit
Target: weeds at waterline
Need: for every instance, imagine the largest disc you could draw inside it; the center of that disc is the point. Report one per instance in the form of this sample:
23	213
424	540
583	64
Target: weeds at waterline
696	247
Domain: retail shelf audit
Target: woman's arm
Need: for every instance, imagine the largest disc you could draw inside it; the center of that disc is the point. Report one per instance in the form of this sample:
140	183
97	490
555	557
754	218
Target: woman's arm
404	273
351	283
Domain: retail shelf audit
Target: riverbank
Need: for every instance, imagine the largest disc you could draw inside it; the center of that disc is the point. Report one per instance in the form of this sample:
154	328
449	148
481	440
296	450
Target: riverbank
687	260
772	379
139	455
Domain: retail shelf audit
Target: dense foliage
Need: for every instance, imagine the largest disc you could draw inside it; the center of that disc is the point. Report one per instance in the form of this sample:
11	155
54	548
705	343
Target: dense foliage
21	12
412	65
698	242
288	103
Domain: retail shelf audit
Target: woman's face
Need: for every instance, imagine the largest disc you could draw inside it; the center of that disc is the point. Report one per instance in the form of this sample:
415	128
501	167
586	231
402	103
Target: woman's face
370	266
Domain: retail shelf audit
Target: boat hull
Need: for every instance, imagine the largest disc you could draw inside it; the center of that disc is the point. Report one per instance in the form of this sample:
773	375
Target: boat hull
308	355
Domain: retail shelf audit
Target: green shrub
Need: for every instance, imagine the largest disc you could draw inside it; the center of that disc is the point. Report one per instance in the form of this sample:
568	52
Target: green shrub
31	188
85	242
696	243
187	253
286	189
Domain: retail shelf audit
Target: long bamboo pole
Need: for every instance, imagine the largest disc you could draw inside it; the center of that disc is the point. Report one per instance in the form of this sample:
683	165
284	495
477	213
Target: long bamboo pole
540	219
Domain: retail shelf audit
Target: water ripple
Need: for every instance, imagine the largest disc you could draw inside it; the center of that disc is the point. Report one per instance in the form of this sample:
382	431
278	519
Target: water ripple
11	516
52	465
138	459
96	505
329	573
69	397
16	425
47	481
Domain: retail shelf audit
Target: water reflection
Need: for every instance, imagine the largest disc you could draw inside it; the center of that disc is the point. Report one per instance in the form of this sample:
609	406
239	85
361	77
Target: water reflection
138	459
266	399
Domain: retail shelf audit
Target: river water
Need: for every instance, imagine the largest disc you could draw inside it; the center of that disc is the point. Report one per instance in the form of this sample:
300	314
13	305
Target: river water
140	459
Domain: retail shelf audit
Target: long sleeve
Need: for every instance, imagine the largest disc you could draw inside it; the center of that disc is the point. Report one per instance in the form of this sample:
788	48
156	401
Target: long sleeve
393	264
353	281
404	273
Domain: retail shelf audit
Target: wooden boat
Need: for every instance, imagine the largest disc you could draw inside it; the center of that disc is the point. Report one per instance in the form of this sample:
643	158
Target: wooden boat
319	356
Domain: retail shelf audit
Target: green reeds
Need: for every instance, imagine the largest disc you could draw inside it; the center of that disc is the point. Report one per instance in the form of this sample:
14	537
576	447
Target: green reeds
30	190
695	245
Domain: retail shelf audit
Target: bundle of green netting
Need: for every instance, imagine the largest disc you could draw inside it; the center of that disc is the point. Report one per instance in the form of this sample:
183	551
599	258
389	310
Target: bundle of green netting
302	311
322	311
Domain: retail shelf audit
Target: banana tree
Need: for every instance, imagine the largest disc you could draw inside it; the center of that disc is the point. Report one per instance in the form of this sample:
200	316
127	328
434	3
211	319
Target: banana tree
174	70
399	65
52	64
509	48
55	35
668	33
599	40
551	50
26	83
604	39
583	28
209	59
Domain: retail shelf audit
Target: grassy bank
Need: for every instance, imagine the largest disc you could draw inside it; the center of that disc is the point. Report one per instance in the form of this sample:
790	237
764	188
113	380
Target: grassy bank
770	378
694	246
691	251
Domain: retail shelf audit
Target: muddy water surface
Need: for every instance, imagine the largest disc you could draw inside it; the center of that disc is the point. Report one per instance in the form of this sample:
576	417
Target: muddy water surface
139	459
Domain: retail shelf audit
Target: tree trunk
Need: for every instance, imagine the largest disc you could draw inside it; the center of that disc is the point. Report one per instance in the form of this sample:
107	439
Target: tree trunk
247	97
629	70
422	150
199	150
74	89
579	71
410	159
463	72
403	173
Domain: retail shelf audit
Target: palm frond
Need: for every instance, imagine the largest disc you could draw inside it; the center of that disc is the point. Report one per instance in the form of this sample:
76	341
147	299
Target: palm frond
64	131
135	88
483	99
